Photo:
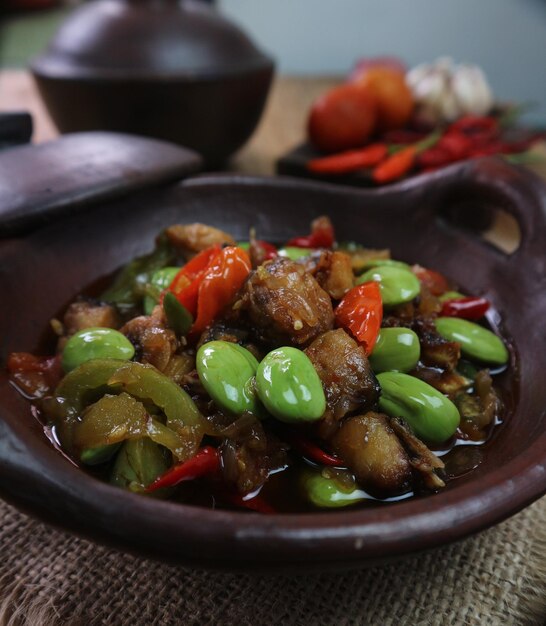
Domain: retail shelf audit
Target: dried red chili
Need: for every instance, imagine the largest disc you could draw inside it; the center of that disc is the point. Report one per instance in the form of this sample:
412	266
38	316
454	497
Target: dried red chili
205	463
466	308
322	235
349	161
310	450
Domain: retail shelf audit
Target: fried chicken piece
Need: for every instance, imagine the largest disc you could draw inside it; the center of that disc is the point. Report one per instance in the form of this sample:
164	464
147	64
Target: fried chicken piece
189	239
346	376
334	273
373	452
285	304
154	342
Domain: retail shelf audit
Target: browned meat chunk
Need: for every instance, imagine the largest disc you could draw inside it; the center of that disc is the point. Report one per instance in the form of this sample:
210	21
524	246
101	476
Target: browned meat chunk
83	314
285	304
189	239
360	257
423	460
447	381
345	372
154	342
334	273
249	455
372	451
222	331
479	410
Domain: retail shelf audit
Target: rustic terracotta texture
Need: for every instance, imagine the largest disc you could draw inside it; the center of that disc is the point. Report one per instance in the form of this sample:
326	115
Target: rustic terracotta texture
56	262
165	69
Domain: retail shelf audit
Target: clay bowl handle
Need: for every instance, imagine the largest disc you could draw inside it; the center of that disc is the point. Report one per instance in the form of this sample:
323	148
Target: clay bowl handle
483	185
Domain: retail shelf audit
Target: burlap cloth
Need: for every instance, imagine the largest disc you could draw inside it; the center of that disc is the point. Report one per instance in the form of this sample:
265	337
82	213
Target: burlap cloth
49	577
497	577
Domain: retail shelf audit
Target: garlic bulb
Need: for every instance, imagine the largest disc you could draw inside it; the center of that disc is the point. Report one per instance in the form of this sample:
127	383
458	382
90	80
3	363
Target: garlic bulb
443	91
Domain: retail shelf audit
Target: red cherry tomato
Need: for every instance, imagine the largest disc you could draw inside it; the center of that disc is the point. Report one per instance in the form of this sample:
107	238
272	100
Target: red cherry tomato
222	279
360	312
434	281
207	283
342	119
392	95
185	284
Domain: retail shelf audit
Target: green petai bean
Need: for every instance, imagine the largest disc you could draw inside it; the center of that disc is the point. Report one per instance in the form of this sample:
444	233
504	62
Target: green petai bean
294	253
289	386
431	415
476	341
95	343
226	371
396	349
398	285
371	263
328	492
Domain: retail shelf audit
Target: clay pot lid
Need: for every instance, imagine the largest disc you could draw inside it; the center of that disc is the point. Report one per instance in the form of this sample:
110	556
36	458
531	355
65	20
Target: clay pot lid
147	39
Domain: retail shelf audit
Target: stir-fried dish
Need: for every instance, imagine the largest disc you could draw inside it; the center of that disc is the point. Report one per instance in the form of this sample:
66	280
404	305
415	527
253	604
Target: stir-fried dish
234	374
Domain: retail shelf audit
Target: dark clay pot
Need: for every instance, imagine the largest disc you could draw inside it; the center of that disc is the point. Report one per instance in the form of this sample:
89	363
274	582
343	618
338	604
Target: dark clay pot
161	68
43	270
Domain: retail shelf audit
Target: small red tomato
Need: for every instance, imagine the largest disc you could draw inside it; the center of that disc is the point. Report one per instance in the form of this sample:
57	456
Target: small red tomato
360	313
434	281
392	95
222	279
342	119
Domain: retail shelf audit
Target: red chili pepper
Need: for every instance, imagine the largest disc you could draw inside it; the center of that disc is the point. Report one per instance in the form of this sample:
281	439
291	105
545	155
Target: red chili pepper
269	250
489	148
205	463
49	366
185	284
475	123
466	308
221	280
350	161
322	235
434	157
434	281
310	450
360	312
257	503
456	144
395	166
